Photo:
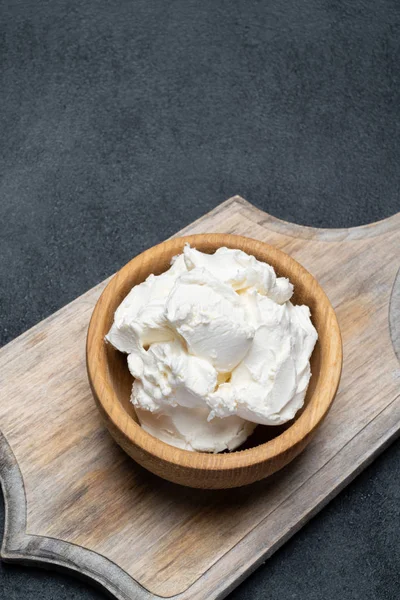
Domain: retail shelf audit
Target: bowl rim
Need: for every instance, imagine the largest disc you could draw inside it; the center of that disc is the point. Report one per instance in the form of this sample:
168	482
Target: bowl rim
295	435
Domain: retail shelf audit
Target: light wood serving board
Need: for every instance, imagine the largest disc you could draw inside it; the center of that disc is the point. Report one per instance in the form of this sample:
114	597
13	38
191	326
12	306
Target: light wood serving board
75	500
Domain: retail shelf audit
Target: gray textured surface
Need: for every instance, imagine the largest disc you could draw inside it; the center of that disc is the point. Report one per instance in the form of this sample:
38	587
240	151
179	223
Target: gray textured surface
123	121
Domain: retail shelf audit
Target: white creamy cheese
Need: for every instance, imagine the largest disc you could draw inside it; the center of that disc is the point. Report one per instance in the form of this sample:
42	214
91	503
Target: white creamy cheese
215	347
188	428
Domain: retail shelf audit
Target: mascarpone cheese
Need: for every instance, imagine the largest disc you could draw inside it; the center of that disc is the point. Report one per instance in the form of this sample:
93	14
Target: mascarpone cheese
215	347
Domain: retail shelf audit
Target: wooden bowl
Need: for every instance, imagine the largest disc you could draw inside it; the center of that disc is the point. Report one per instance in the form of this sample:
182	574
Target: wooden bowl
271	447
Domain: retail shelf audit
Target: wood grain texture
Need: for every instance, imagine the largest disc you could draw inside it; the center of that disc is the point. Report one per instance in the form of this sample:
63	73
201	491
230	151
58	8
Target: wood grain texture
269	449
81	490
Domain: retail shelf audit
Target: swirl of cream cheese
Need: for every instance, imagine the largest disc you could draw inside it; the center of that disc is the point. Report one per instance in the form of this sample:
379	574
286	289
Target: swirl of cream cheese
215	347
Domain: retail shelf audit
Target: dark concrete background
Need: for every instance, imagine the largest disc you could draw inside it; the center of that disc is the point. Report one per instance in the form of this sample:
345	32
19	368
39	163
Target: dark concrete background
121	122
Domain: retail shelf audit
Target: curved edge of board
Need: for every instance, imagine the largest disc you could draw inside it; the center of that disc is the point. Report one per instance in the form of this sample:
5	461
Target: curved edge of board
21	547
369	230
394	315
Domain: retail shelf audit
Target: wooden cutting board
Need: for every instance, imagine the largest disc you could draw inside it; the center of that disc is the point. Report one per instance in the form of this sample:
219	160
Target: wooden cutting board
75	500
